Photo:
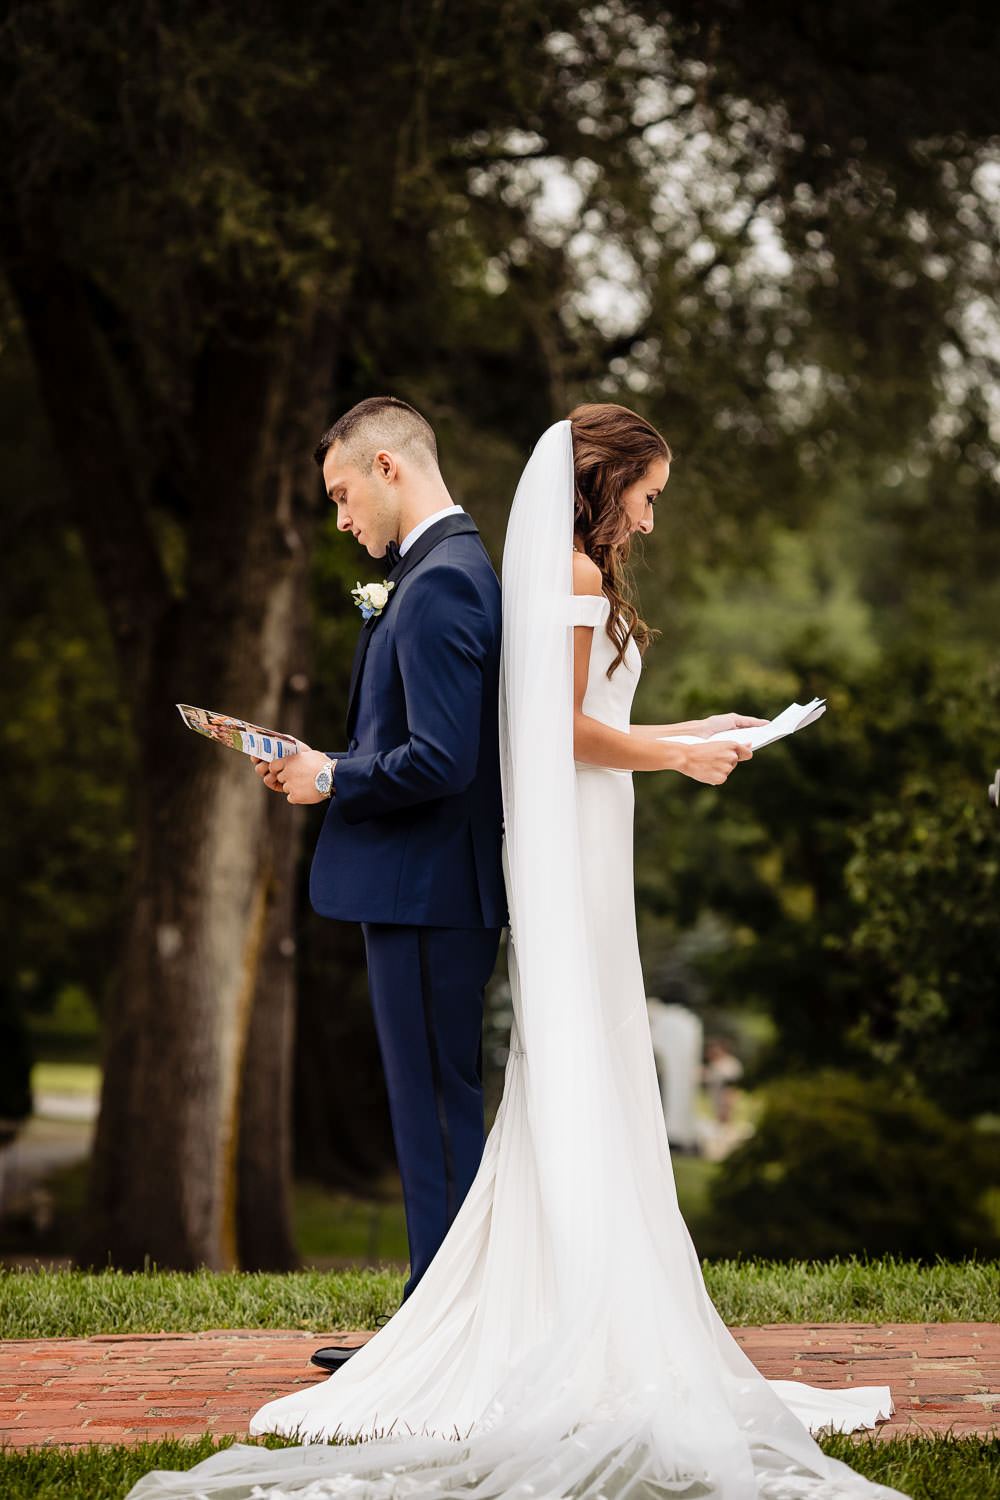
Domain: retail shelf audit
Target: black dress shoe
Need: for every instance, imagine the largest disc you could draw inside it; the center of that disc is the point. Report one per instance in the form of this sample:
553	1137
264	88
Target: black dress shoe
333	1358
336	1355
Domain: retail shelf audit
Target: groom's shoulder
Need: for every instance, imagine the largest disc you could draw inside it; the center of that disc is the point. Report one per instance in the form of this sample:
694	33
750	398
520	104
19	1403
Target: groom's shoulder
462	545
456	558
452	581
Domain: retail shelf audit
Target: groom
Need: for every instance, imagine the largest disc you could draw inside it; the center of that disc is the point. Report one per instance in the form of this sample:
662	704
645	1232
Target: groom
410	846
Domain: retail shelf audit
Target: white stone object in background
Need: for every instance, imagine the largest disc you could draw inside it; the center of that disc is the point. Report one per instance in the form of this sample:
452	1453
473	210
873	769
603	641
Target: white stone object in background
678	1037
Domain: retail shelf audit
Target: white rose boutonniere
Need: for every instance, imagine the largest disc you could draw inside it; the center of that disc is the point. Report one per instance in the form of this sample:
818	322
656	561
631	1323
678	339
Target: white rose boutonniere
372	598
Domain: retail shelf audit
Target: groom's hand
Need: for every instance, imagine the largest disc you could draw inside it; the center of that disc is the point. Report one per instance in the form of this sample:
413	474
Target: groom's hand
265	770
294	775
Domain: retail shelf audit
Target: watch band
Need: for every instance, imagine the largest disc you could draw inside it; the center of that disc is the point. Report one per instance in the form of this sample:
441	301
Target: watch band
324	779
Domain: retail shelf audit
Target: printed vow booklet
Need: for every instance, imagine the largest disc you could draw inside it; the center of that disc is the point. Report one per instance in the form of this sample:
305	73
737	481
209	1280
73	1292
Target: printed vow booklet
251	739
796	716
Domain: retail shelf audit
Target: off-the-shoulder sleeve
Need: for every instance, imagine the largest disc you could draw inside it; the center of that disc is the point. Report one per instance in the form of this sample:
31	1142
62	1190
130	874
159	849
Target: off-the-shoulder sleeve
588	609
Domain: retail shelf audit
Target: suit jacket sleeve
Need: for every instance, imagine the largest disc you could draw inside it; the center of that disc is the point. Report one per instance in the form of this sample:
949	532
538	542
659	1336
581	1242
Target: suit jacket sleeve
442	637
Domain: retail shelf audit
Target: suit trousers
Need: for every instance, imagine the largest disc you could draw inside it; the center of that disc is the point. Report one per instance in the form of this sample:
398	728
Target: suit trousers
426	986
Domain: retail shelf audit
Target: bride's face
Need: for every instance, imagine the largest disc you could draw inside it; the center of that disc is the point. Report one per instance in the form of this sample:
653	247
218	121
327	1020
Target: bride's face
638	499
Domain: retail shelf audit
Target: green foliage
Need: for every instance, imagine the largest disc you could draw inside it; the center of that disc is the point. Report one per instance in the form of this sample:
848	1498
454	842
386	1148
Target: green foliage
804	886
841	1165
64	804
926	879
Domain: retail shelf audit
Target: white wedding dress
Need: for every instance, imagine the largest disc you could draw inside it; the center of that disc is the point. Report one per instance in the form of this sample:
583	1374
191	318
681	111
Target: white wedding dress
562	1342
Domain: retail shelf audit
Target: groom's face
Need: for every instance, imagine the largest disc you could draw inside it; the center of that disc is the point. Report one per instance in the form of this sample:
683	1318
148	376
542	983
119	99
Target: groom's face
367	504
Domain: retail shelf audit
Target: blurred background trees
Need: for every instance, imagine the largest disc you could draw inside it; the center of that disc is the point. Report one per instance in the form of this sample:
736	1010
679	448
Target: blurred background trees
220	228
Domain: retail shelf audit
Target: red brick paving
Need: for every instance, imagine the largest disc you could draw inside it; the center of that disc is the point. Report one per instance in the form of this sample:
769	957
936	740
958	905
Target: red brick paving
127	1387
943	1376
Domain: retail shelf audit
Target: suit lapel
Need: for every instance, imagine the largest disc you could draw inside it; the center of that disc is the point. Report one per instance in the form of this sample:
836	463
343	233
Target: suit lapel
359	656
439	532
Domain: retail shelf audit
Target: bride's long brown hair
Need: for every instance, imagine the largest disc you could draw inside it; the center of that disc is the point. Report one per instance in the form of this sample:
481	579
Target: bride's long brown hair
612	449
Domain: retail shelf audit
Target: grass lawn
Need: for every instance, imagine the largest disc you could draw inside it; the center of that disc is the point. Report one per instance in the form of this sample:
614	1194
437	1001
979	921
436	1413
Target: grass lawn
82	1078
693	1177
44	1303
924	1468
330	1227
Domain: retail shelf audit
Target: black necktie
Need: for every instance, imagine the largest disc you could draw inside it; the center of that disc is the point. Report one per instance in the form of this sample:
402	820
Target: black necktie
392	553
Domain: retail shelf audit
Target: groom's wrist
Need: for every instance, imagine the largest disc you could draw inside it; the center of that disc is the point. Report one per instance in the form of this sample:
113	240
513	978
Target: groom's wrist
324	778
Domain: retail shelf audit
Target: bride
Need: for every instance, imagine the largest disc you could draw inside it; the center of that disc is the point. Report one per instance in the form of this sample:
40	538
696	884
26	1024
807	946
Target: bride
562	1342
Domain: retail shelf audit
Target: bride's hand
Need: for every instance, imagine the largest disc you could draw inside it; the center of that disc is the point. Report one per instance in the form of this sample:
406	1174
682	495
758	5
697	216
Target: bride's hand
713	761
721	723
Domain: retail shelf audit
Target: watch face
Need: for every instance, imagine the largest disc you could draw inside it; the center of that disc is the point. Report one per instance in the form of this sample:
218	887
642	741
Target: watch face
323	780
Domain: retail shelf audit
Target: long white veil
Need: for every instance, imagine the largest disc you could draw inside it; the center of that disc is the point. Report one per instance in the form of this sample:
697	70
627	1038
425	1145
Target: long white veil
562	1343
556	1006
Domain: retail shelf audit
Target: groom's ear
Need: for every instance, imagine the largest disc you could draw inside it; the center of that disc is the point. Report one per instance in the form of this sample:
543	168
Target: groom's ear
386	464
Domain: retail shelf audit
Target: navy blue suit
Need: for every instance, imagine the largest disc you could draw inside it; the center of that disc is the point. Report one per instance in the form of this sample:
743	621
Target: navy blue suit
410	848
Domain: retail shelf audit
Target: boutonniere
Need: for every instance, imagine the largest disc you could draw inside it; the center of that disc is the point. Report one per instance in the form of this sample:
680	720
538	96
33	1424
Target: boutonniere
372	598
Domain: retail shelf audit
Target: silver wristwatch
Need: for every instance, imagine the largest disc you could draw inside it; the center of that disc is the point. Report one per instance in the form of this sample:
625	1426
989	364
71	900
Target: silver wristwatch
324	779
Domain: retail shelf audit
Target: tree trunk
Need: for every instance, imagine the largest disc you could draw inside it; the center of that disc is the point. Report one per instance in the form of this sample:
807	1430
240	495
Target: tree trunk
263	1208
265	1158
175	1029
202	1005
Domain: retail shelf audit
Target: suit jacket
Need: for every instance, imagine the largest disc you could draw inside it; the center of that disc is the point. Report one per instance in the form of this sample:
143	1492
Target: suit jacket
413	833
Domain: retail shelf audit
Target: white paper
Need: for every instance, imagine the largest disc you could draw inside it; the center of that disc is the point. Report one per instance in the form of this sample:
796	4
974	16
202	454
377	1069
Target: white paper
791	719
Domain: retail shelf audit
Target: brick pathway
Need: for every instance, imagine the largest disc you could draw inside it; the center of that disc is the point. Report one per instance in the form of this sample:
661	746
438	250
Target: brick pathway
942	1375
124	1388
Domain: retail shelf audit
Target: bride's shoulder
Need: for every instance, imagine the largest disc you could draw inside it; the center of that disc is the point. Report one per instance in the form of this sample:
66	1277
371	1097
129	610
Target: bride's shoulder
589	602
586	575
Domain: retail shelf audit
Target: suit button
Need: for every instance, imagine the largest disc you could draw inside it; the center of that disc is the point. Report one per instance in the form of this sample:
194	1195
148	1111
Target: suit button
353	745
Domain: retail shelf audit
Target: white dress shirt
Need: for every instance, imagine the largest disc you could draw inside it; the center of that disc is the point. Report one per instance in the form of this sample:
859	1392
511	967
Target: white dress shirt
439	515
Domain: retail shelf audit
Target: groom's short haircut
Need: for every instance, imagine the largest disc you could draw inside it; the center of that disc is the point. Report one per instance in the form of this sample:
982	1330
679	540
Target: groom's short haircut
380	422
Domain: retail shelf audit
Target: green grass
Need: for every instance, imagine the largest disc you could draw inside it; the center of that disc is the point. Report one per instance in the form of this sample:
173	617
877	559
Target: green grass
886	1289
925	1468
45	1303
101	1473
693	1177
66	1078
336	1227
333	1229
938	1468
58	1303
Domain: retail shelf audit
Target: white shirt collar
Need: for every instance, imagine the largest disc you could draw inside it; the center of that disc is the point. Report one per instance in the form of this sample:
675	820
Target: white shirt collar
439	515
